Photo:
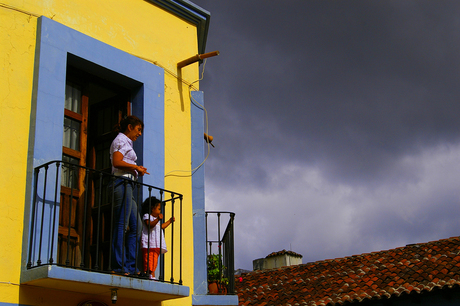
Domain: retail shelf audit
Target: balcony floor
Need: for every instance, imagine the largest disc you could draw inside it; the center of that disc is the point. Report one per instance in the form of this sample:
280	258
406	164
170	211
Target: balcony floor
61	278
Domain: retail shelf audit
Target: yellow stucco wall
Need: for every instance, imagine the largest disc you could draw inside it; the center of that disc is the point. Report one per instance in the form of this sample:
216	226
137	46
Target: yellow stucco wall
134	26
17	36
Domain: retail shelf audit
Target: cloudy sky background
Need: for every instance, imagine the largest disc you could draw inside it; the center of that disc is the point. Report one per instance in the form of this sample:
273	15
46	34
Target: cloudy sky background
336	124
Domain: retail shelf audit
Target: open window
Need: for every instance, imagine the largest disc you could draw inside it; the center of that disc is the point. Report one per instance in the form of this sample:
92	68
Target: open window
93	106
103	84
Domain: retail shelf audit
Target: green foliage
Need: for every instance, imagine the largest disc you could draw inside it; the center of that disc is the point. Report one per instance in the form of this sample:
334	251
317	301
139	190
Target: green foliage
216	273
215	268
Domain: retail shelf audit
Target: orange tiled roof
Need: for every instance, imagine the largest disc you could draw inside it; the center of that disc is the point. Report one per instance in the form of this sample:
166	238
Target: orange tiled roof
411	269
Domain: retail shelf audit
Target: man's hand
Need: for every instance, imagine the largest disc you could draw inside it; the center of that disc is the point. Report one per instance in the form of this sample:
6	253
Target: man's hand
141	170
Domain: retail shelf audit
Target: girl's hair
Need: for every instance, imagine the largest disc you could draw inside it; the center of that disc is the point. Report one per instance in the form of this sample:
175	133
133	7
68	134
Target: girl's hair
123	125
153	201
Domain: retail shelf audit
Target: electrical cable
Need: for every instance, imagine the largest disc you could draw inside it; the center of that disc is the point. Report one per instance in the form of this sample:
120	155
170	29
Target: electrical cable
10	7
190	85
192	171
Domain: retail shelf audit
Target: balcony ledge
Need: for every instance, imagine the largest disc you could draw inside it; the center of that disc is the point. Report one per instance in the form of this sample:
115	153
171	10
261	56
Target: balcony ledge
221	300
55	277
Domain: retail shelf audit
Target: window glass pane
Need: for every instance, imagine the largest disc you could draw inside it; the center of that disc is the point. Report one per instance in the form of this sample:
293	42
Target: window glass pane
102	155
68	97
69	175
73	97
71	138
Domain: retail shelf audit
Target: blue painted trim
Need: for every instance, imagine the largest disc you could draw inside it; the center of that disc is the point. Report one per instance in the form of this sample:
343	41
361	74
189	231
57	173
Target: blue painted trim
54	43
227	300
200	283
199	225
93	278
12	304
191	13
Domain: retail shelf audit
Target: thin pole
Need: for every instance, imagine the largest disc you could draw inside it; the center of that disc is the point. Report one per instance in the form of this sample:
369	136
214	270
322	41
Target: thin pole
67	261
39	261
97	260
54	212
196	58
162	256
137	227
180	242
72	168
124	227
220	248
112	179
148	231
36	171
82	264
172	241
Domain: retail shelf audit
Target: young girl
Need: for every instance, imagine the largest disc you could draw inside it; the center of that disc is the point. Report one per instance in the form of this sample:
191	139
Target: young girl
152	234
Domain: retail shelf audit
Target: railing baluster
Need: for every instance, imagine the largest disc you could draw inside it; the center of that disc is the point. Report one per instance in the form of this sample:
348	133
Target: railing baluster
99	204
220	250
32	229
172	241
39	261
125	184
148	236
231	251
112	189
54	212
138	226
71	182
206	229
180	242
162	256
85	217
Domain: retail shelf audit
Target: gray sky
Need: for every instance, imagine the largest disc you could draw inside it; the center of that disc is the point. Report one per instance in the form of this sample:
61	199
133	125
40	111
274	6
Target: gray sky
335	124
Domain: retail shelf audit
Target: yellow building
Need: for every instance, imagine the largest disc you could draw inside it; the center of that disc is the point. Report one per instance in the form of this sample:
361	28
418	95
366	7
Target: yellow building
70	71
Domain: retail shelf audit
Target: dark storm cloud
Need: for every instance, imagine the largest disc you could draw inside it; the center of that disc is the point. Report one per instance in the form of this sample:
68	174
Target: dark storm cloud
355	91
339	80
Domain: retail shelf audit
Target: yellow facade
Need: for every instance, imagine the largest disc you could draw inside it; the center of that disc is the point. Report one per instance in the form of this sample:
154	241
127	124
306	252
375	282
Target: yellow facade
17	58
140	28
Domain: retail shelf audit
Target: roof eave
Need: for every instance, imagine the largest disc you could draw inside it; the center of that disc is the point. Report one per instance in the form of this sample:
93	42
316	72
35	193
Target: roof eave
191	13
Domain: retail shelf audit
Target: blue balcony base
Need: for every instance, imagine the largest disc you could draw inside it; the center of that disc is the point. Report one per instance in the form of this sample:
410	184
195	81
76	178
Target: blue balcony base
224	300
61	278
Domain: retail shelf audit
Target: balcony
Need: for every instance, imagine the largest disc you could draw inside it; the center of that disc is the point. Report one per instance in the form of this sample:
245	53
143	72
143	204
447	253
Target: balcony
220	252
70	234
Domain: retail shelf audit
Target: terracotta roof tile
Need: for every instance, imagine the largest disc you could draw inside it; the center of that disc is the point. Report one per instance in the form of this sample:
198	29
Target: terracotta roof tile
377	275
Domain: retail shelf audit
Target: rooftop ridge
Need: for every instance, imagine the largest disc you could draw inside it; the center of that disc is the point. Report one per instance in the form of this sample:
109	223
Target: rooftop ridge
389	273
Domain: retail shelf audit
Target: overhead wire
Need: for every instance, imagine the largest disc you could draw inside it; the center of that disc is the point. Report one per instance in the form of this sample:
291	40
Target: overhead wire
192	171
170	72
190	85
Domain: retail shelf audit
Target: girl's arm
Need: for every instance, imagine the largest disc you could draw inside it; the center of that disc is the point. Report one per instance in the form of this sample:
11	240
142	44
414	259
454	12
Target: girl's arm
152	223
167	223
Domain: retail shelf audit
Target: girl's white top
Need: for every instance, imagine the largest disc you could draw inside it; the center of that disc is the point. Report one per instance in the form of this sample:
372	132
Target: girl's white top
155	233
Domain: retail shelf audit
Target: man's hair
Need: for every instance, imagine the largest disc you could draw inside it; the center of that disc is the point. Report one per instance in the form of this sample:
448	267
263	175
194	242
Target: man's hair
122	126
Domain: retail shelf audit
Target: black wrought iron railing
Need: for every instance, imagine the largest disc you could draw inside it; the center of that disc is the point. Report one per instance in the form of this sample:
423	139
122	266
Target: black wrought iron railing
72	218
220	250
